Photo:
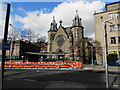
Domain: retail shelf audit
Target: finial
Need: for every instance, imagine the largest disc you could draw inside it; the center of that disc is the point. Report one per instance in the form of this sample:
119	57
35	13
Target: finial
53	17
76	11
60	22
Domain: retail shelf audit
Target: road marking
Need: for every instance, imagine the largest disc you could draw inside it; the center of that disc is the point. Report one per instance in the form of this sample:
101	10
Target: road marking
113	75
30	80
115	86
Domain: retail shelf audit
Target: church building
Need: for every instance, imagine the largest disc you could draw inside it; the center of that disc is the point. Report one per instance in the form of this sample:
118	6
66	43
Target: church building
67	40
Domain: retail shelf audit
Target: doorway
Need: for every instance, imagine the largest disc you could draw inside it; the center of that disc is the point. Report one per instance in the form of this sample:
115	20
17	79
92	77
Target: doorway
61	56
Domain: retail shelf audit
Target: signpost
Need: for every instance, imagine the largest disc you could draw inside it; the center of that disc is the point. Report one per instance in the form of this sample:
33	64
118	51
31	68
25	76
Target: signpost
4	46
106	52
5	38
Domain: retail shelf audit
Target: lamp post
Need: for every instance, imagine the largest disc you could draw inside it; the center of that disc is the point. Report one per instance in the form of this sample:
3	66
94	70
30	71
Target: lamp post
106	52
92	56
11	45
91	47
11	40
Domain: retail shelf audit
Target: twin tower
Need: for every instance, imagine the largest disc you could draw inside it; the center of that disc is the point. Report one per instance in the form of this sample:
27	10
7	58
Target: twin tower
66	40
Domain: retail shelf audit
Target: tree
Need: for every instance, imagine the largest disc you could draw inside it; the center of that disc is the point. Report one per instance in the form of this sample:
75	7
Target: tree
13	35
99	51
40	38
41	42
30	35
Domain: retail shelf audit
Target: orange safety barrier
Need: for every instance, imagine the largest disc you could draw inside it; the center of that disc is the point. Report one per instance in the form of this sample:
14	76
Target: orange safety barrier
28	64
60	63
39	66
66	64
79	65
73	66
17	64
0	63
61	66
52	66
7	64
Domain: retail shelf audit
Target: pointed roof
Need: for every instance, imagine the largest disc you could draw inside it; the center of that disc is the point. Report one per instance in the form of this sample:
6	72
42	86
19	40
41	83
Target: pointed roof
53	22
77	20
53	26
77	16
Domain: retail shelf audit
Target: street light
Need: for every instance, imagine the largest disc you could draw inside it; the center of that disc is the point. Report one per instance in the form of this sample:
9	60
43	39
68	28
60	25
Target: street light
106	51
91	47
11	45
92	56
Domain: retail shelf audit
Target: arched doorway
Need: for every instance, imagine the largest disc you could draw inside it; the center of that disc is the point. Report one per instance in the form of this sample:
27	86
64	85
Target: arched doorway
61	55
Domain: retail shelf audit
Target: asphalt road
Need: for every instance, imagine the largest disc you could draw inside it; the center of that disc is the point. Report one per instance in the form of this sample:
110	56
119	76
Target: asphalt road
29	78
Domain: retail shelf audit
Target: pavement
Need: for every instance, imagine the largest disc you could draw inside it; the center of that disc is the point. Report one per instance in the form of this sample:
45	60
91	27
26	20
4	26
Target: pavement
45	78
62	78
115	69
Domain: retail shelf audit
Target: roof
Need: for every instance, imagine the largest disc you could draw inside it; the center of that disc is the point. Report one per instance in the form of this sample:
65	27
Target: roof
112	3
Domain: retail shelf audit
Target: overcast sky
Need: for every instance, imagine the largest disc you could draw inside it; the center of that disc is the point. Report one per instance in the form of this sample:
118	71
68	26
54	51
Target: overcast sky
38	16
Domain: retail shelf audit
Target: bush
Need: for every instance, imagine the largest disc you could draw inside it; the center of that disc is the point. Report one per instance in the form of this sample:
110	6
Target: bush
112	57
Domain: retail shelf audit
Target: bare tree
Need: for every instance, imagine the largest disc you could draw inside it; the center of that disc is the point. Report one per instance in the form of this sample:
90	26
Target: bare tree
28	35
13	33
41	42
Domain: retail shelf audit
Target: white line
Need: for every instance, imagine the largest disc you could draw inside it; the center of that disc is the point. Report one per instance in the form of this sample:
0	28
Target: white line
29	80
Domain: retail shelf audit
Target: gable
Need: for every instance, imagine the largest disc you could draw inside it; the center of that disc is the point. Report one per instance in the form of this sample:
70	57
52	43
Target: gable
61	32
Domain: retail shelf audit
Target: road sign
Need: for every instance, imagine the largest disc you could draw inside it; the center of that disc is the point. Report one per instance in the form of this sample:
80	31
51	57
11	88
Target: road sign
4	46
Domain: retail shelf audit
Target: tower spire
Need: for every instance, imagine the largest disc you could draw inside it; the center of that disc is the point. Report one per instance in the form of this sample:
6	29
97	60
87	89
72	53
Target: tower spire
77	20
53	25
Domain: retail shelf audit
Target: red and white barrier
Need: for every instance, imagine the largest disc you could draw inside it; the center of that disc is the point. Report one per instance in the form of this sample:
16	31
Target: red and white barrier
66	64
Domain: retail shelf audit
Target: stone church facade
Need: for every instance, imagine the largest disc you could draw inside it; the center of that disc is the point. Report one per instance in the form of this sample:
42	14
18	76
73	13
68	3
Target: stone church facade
67	39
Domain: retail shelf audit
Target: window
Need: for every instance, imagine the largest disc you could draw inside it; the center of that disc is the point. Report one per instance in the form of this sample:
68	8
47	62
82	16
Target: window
118	27
112	28
113	40
114	15
118	39
111	16
118	15
119	53
113	51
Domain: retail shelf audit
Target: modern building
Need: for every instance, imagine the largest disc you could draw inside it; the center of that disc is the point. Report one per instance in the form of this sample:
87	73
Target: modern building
69	41
109	19
20	48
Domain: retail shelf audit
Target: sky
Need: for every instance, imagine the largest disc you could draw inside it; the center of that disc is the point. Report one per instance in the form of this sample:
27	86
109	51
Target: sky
37	16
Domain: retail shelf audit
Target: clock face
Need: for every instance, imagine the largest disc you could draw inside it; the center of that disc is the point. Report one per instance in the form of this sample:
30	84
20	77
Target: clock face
60	40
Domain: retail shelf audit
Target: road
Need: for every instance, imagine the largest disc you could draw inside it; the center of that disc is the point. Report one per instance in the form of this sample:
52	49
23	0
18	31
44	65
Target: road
34	78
